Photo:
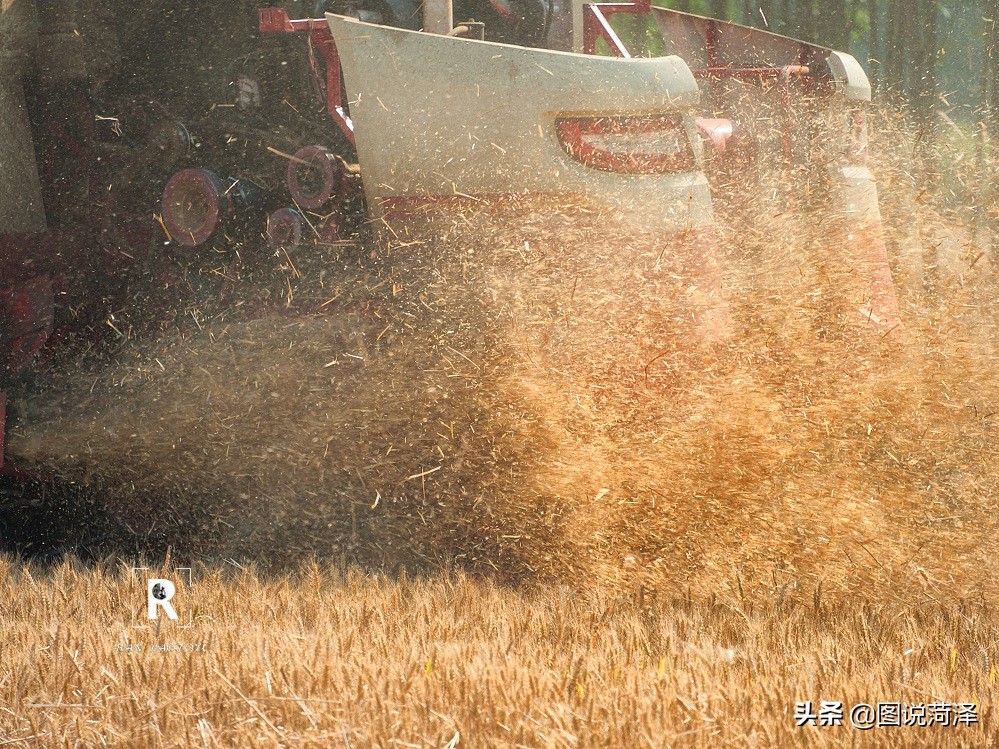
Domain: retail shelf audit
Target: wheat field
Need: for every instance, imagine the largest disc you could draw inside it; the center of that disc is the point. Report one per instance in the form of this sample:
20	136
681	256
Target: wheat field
493	488
328	657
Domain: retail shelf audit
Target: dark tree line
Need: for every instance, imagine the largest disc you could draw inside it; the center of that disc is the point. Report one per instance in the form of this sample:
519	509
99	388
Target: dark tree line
931	54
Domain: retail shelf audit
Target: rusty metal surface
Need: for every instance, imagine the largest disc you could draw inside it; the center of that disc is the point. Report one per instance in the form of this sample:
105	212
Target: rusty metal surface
709	43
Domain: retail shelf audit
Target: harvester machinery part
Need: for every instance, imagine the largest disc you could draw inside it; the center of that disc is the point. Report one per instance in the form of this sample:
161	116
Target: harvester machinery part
168	141
325	79
716	130
284	229
195	205
100	37
470	30
806	79
315	177
67	157
595	24
731	159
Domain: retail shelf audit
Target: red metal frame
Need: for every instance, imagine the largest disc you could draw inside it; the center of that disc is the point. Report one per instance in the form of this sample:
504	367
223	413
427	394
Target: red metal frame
596	25
23	257
27	312
276	21
26	321
711	44
572	134
782	74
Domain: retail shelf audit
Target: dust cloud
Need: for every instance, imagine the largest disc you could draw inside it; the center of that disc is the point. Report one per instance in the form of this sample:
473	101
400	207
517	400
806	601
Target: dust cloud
533	392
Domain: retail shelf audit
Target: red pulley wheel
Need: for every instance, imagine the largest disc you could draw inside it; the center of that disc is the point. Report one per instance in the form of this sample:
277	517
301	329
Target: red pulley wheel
195	203
284	229
314	177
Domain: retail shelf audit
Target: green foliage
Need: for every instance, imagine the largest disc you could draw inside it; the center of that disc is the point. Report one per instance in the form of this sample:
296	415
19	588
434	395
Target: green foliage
930	54
640	36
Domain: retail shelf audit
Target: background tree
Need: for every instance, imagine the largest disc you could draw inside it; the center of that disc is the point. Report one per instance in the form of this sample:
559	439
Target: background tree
915	51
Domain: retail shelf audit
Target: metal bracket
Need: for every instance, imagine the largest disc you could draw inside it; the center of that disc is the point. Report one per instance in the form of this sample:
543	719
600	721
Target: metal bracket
276	21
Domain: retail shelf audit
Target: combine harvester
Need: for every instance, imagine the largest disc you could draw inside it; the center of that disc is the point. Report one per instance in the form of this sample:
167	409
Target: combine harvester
444	117
447	118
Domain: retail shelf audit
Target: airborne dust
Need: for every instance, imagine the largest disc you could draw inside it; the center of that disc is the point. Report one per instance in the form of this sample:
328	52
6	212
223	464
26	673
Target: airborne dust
544	401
